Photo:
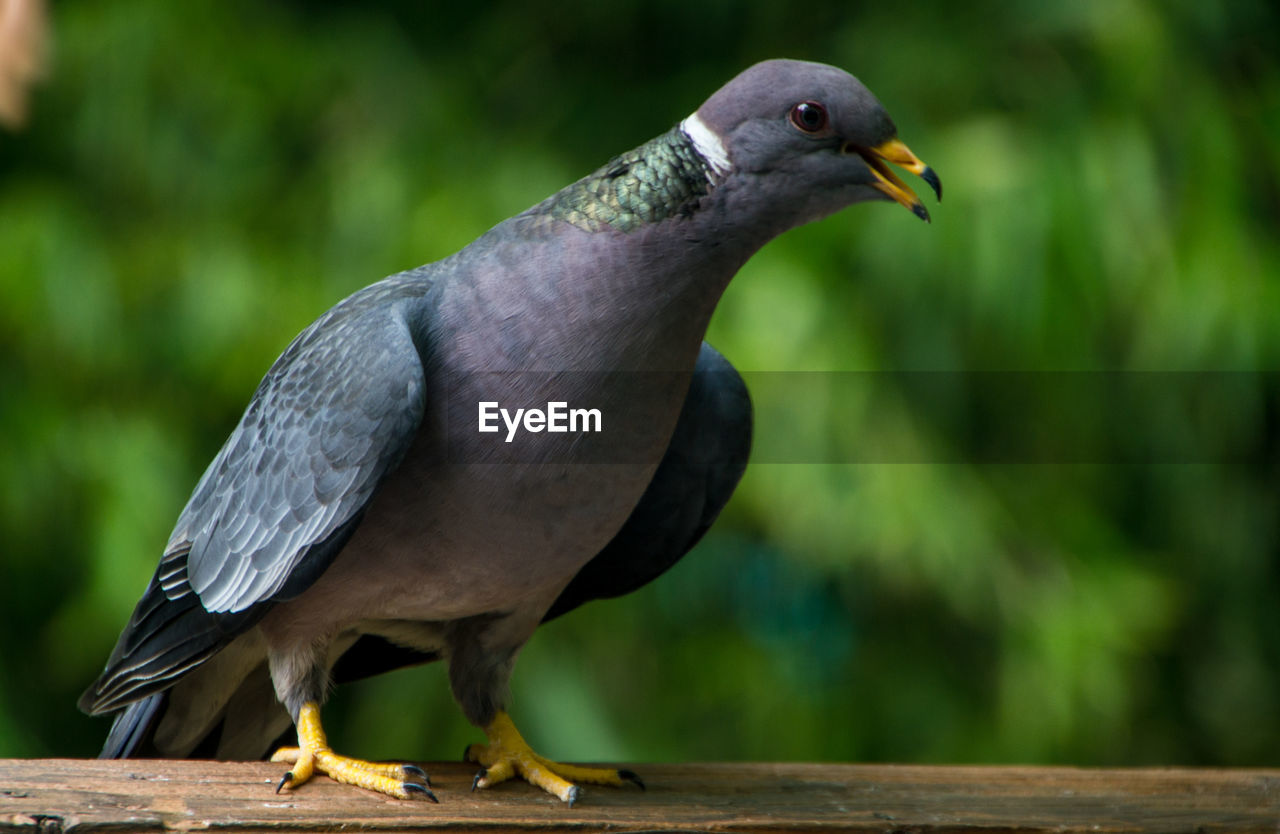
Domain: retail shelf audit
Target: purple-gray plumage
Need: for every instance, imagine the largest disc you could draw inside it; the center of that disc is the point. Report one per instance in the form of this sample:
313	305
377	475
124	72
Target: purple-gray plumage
350	525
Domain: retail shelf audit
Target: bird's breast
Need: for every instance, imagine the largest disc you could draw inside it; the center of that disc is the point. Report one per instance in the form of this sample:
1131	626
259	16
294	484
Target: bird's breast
554	374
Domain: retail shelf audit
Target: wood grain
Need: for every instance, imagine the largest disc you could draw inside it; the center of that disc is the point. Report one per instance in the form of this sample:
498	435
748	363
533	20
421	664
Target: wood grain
52	795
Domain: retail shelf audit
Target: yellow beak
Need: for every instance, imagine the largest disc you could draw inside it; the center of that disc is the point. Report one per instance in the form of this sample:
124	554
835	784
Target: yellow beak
889	183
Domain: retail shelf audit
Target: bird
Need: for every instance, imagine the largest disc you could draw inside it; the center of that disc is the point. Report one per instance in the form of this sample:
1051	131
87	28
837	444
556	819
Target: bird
363	516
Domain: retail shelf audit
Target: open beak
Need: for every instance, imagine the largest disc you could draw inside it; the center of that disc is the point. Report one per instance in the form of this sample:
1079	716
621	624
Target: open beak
889	183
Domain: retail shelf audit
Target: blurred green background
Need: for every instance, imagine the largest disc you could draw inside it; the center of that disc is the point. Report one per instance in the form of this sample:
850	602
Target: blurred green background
200	180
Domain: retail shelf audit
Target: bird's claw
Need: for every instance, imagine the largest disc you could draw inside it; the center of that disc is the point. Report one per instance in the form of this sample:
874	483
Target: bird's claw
508	755
418	789
632	777
313	755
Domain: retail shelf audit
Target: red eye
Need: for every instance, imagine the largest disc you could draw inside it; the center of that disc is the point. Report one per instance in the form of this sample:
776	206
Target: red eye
809	116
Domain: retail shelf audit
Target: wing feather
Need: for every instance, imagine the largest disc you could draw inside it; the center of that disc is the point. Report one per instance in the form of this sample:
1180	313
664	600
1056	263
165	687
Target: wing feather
331	419
334	415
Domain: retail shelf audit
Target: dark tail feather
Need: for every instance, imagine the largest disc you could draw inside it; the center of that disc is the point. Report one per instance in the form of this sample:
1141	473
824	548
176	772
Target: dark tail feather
133	727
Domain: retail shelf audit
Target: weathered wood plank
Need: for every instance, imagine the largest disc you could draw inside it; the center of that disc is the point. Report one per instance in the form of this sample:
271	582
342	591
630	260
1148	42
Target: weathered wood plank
90	796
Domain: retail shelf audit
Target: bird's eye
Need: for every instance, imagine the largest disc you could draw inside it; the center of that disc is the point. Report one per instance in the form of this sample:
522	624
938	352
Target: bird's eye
809	116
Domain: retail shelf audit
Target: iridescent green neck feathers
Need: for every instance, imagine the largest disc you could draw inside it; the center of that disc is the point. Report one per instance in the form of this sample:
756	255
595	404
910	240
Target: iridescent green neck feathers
661	179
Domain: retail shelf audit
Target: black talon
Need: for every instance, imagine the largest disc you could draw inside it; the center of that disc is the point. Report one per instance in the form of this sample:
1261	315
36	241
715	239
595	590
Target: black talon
475	783
575	793
417	772
287	777
632	777
466	754
414	787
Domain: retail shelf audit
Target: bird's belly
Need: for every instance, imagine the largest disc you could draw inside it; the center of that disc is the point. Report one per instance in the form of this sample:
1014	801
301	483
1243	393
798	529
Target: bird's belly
471	524
450	541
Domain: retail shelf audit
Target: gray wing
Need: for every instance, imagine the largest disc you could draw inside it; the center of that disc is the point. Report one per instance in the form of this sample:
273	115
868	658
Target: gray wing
334	415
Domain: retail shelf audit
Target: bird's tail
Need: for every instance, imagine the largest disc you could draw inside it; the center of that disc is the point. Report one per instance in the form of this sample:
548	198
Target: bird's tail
134	725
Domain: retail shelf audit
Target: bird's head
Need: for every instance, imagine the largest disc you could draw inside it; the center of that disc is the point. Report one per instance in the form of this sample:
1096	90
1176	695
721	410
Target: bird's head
811	138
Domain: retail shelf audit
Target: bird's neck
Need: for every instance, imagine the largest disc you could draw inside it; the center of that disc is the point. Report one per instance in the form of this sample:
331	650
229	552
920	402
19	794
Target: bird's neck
658	221
664	178
631	259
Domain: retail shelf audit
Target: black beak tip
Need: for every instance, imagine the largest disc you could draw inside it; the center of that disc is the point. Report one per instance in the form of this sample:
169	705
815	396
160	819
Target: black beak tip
936	184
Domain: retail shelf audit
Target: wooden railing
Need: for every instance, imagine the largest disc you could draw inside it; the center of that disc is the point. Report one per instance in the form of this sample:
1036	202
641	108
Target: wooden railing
75	795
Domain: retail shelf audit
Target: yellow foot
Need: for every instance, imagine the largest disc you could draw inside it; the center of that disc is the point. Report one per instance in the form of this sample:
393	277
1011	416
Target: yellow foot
312	755
507	754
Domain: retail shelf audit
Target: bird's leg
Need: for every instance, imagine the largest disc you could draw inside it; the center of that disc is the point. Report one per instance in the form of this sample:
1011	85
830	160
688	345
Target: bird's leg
507	754
403	781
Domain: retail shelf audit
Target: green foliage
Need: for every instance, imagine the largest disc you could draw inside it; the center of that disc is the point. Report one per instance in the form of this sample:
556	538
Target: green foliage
201	180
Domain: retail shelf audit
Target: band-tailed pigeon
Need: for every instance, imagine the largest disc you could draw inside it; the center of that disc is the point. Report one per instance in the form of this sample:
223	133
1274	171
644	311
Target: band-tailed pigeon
366	514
